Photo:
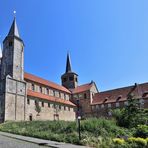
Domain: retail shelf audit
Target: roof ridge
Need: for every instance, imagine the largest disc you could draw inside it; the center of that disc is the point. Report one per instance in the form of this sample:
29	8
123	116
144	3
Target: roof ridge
122	87
48	81
84	84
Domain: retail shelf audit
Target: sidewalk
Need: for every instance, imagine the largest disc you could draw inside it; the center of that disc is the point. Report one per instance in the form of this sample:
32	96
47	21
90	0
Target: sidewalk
49	143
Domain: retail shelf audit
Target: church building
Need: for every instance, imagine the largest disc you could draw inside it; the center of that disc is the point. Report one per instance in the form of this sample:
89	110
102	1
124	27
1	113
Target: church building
24	96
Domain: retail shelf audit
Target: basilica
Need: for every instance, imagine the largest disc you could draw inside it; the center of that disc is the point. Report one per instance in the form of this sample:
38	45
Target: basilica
24	96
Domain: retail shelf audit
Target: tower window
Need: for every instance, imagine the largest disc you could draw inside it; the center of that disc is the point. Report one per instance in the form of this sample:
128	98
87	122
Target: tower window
10	44
64	79
70	78
76	80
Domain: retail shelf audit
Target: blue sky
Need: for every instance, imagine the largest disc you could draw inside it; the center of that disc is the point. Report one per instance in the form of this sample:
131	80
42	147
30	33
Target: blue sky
107	39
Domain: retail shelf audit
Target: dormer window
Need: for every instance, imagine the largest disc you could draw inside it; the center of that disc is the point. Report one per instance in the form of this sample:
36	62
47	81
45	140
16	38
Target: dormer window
119	97
105	99
145	94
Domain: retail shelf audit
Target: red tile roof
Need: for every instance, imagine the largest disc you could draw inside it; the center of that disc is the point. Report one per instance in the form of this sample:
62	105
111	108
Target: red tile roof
111	96
42	81
49	98
82	88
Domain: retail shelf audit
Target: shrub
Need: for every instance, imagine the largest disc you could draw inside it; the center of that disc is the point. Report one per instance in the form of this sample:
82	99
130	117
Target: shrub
132	115
118	141
139	142
141	131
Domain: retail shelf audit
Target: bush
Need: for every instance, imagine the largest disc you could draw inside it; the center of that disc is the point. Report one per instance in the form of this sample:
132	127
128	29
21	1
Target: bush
118	141
141	131
132	115
140	142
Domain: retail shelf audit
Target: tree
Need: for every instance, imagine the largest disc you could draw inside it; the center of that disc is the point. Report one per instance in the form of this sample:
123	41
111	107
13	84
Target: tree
132	115
37	107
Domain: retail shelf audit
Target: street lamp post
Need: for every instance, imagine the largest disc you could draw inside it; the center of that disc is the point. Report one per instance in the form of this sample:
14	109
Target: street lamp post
79	118
79	129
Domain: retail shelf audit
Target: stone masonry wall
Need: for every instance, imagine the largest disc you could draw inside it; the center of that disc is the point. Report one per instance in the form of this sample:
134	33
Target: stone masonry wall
15	100
48	111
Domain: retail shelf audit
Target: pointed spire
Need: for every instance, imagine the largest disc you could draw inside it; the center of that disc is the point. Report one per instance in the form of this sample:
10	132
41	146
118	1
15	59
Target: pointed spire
14	29
68	63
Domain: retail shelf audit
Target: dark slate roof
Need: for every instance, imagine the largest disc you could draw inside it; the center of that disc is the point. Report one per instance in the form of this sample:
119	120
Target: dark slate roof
14	29
68	64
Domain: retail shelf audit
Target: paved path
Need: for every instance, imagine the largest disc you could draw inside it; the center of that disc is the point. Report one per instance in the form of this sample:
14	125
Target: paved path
8	140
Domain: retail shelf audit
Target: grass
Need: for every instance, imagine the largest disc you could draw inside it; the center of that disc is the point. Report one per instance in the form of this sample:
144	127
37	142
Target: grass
94	132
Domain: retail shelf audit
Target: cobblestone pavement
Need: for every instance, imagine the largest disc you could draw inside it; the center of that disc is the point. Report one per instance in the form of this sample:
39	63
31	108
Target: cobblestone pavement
6	142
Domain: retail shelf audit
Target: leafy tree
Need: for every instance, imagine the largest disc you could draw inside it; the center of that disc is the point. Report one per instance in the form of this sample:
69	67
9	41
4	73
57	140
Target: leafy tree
132	115
37	107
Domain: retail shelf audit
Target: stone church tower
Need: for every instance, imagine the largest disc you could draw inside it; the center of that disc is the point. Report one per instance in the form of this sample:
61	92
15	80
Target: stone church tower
69	78
12	85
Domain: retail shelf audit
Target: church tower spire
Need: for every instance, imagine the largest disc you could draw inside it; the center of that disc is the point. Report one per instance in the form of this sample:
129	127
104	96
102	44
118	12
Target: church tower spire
13	93
68	63
69	78
13	54
14	29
